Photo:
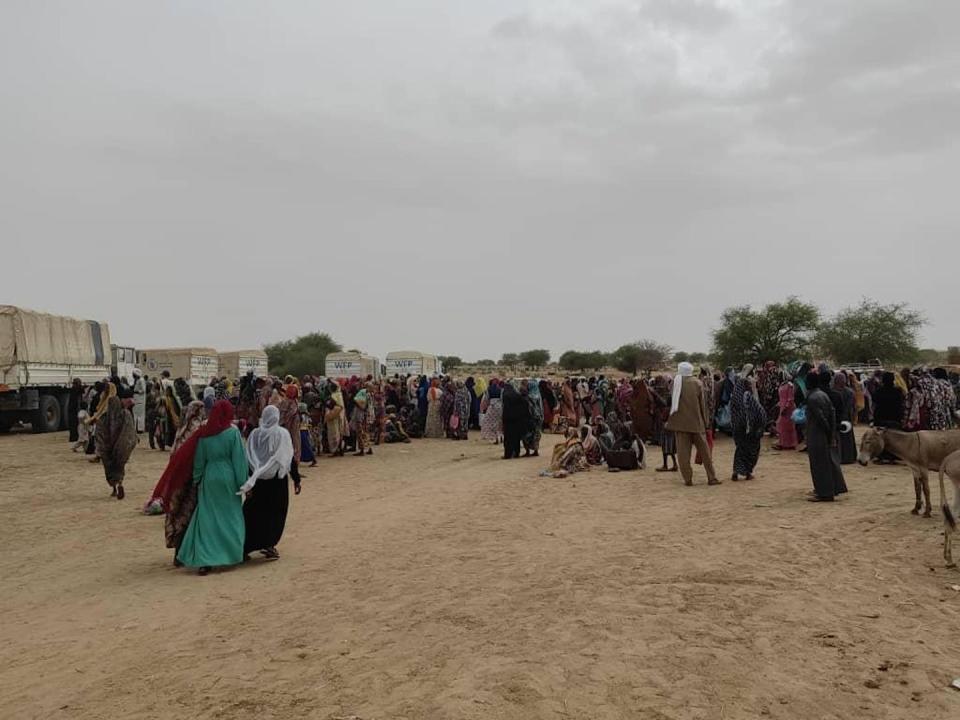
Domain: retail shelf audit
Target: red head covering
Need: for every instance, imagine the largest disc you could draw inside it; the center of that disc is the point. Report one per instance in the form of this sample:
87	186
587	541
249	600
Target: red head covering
292	392
180	468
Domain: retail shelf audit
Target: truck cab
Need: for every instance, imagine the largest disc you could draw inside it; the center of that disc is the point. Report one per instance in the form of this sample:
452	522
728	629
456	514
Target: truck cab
122	362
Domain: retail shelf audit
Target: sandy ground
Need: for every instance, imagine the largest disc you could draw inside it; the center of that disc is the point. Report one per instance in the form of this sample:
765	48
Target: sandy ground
437	581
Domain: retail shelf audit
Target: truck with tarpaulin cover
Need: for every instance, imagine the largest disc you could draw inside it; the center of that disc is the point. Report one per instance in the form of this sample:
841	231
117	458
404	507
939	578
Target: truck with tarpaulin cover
352	364
196	365
237	363
40	357
412	362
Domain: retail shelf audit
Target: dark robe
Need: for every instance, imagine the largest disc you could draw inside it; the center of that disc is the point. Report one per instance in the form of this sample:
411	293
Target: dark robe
888	407
392	397
847	441
822	450
265	513
516	421
474	423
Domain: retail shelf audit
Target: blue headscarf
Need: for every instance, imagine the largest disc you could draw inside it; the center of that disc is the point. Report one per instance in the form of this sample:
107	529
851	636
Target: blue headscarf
534	387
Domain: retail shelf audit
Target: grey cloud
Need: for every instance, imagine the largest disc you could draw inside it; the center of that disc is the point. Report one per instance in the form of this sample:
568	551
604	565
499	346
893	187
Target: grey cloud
506	174
698	15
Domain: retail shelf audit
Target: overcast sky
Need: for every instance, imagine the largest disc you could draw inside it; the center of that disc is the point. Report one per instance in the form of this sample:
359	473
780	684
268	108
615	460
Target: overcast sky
470	178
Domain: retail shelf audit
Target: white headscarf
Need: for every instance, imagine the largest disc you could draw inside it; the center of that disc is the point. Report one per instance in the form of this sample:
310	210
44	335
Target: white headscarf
269	449
684	369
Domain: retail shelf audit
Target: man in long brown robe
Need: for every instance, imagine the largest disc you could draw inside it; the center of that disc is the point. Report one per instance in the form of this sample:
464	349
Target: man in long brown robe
641	410
688	420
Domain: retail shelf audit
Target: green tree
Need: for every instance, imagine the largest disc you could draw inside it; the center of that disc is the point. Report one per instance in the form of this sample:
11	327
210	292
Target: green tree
486	363
697	358
535	358
641	355
953	355
680	356
575	360
781	332
304	355
872	331
449	361
508	359
596	360
572	360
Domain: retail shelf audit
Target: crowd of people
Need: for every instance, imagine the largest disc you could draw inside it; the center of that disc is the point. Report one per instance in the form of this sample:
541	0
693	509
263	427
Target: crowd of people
236	445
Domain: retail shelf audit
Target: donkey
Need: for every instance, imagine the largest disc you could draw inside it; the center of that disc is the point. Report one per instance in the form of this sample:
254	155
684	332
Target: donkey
951	468
921	451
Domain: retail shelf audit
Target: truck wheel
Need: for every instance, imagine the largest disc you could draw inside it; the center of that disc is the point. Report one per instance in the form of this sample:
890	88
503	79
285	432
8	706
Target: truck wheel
47	417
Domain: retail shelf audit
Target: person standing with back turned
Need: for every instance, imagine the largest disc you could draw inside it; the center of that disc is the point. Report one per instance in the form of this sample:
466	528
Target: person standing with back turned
689	421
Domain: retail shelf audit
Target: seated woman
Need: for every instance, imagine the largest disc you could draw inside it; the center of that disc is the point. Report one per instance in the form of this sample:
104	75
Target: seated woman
625	451
591	446
393	430
628	442
410	421
568	457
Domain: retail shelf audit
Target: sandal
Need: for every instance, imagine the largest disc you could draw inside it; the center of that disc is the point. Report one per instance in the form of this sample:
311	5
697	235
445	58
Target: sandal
817	498
120	494
203	572
297	488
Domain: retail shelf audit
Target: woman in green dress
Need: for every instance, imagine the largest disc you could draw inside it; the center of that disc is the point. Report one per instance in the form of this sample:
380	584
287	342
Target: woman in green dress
216	532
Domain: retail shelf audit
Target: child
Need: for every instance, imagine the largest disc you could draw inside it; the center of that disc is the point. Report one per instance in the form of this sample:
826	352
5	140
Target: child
306	447
668	441
83	430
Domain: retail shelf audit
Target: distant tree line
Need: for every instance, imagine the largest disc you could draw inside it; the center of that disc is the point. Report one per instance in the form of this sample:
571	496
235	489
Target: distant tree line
793	330
782	332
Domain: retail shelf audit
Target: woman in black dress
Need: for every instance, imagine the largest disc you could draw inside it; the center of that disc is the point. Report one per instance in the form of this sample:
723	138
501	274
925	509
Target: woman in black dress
516	421
270	454
846	411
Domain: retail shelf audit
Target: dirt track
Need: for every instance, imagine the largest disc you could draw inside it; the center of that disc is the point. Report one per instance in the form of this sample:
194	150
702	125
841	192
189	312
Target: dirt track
436	581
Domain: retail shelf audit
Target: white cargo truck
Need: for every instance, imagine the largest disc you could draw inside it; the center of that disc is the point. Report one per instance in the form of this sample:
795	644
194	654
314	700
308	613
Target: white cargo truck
123	360
238	363
412	362
349	364
40	356
195	365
